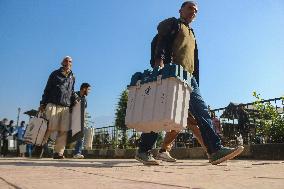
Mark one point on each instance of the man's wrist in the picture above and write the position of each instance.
(159, 62)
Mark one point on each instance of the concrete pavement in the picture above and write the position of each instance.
(22, 173)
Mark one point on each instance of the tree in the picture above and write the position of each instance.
(120, 117)
(271, 121)
(160, 139)
(88, 120)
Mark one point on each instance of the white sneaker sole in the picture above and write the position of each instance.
(146, 162)
(235, 153)
(165, 159)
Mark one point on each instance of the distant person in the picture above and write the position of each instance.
(239, 139)
(243, 120)
(84, 91)
(20, 137)
(56, 101)
(5, 132)
(11, 127)
(2, 123)
(176, 43)
(216, 124)
(29, 149)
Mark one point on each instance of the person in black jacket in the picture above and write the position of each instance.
(4, 133)
(175, 42)
(243, 122)
(56, 101)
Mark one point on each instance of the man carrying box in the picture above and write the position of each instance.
(56, 100)
(176, 43)
(84, 91)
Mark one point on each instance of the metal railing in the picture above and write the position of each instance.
(112, 137)
(231, 127)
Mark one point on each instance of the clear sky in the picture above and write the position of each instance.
(241, 47)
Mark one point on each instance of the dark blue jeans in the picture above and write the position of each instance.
(199, 109)
(147, 141)
(29, 149)
(79, 146)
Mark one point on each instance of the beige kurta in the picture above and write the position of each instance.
(58, 117)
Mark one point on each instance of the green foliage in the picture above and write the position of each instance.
(121, 111)
(120, 117)
(88, 120)
(133, 140)
(271, 122)
(160, 139)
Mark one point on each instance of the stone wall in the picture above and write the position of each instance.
(259, 151)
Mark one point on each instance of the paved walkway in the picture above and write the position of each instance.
(21, 173)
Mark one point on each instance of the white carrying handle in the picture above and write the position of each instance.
(138, 84)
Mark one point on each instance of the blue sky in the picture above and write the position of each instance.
(240, 44)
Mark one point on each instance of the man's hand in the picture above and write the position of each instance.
(159, 63)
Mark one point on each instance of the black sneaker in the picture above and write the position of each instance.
(37, 152)
(57, 156)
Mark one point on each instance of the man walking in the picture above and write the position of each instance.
(176, 43)
(84, 91)
(4, 133)
(20, 137)
(56, 100)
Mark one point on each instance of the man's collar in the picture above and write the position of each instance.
(79, 93)
(182, 20)
(65, 73)
(185, 23)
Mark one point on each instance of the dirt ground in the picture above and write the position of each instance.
(22, 173)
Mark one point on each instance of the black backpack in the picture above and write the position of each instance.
(172, 24)
(172, 28)
(153, 48)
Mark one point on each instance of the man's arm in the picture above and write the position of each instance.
(46, 92)
(159, 62)
(196, 61)
(196, 64)
(166, 31)
(74, 96)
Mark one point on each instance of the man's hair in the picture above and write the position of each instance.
(85, 85)
(188, 2)
(64, 59)
(4, 119)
